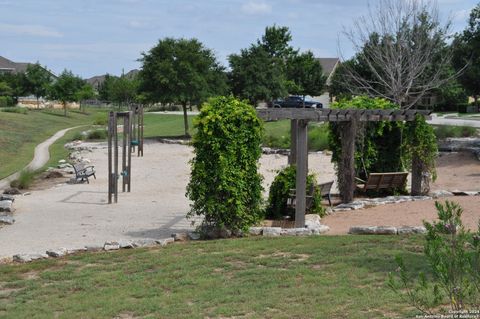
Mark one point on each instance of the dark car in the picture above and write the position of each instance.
(296, 102)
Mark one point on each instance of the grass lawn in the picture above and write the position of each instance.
(294, 277)
(20, 133)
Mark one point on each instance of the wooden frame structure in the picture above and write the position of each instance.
(137, 128)
(113, 174)
(348, 119)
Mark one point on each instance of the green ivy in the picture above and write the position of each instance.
(225, 186)
(279, 192)
(378, 144)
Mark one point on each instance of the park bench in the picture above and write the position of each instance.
(378, 181)
(82, 172)
(324, 188)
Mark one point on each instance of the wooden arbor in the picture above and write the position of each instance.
(348, 119)
(113, 174)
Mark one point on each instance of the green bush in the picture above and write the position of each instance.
(318, 137)
(280, 190)
(225, 186)
(25, 180)
(453, 254)
(78, 136)
(99, 134)
(445, 131)
(15, 109)
(100, 119)
(6, 101)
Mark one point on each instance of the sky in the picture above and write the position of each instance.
(93, 37)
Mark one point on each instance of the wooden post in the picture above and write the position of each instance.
(126, 128)
(133, 123)
(115, 158)
(292, 159)
(348, 131)
(129, 152)
(301, 175)
(140, 131)
(110, 158)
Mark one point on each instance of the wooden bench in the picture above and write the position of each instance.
(324, 188)
(83, 172)
(378, 181)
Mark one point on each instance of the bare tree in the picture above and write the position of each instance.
(401, 52)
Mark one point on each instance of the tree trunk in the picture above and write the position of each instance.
(185, 118)
(65, 109)
(38, 103)
(346, 166)
(416, 189)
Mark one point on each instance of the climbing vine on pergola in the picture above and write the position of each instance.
(348, 120)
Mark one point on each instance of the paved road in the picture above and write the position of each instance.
(40, 157)
(454, 122)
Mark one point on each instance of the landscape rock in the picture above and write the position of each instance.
(441, 193)
(465, 193)
(57, 252)
(5, 219)
(62, 161)
(272, 231)
(144, 243)
(372, 230)
(321, 230)
(193, 236)
(24, 258)
(255, 231)
(6, 206)
(12, 191)
(407, 230)
(180, 236)
(7, 197)
(296, 231)
(312, 220)
(385, 230)
(417, 198)
(125, 244)
(94, 247)
(111, 245)
(165, 241)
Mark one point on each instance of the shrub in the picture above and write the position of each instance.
(318, 137)
(445, 131)
(6, 101)
(15, 109)
(100, 119)
(454, 258)
(99, 134)
(25, 179)
(78, 136)
(280, 190)
(225, 187)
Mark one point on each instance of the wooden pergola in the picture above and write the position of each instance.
(348, 119)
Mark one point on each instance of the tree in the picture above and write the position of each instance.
(38, 79)
(181, 71)
(466, 51)
(123, 89)
(85, 92)
(305, 74)
(105, 88)
(66, 88)
(17, 82)
(259, 72)
(401, 52)
(5, 89)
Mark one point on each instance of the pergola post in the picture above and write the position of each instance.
(417, 173)
(301, 174)
(348, 131)
(292, 159)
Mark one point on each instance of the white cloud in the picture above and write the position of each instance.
(29, 30)
(256, 7)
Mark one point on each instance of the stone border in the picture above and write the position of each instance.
(312, 227)
(386, 230)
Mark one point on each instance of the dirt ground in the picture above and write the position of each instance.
(57, 215)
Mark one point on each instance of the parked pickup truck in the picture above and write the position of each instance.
(295, 101)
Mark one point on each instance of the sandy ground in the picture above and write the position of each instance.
(73, 216)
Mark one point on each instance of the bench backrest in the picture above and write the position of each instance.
(325, 188)
(386, 180)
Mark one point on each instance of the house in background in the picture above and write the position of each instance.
(329, 65)
(8, 66)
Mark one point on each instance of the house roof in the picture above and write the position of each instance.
(328, 65)
(15, 67)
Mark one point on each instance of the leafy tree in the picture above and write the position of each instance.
(401, 52)
(5, 89)
(85, 92)
(105, 89)
(181, 71)
(305, 74)
(466, 52)
(123, 89)
(17, 83)
(225, 186)
(38, 79)
(66, 88)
